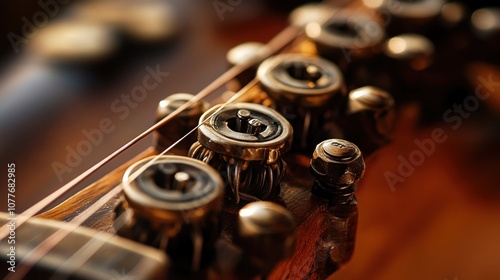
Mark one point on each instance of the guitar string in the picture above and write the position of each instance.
(274, 45)
(277, 43)
(83, 254)
(45, 246)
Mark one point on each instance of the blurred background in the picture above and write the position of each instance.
(78, 79)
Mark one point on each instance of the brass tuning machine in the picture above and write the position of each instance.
(181, 124)
(175, 203)
(308, 90)
(245, 142)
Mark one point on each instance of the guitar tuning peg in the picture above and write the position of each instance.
(412, 51)
(242, 54)
(181, 124)
(369, 119)
(245, 142)
(336, 165)
(346, 36)
(176, 203)
(307, 90)
(408, 16)
(266, 234)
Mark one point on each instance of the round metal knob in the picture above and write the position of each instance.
(182, 123)
(305, 81)
(245, 142)
(412, 49)
(266, 233)
(420, 9)
(220, 133)
(308, 90)
(402, 16)
(336, 166)
(346, 34)
(370, 118)
(245, 52)
(176, 202)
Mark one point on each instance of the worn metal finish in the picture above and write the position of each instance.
(309, 90)
(175, 202)
(245, 142)
(266, 234)
(179, 126)
(300, 79)
(369, 118)
(347, 34)
(413, 50)
(336, 165)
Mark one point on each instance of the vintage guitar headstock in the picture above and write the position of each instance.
(258, 183)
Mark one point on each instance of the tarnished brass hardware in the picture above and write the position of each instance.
(176, 202)
(413, 50)
(245, 142)
(308, 13)
(240, 55)
(181, 124)
(347, 35)
(404, 16)
(266, 234)
(336, 166)
(370, 118)
(307, 90)
(421, 9)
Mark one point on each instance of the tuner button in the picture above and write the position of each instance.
(266, 234)
(176, 204)
(246, 52)
(370, 118)
(346, 35)
(181, 124)
(404, 16)
(412, 50)
(245, 142)
(308, 90)
(336, 165)
(241, 54)
(305, 14)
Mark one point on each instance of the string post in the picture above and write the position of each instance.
(245, 142)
